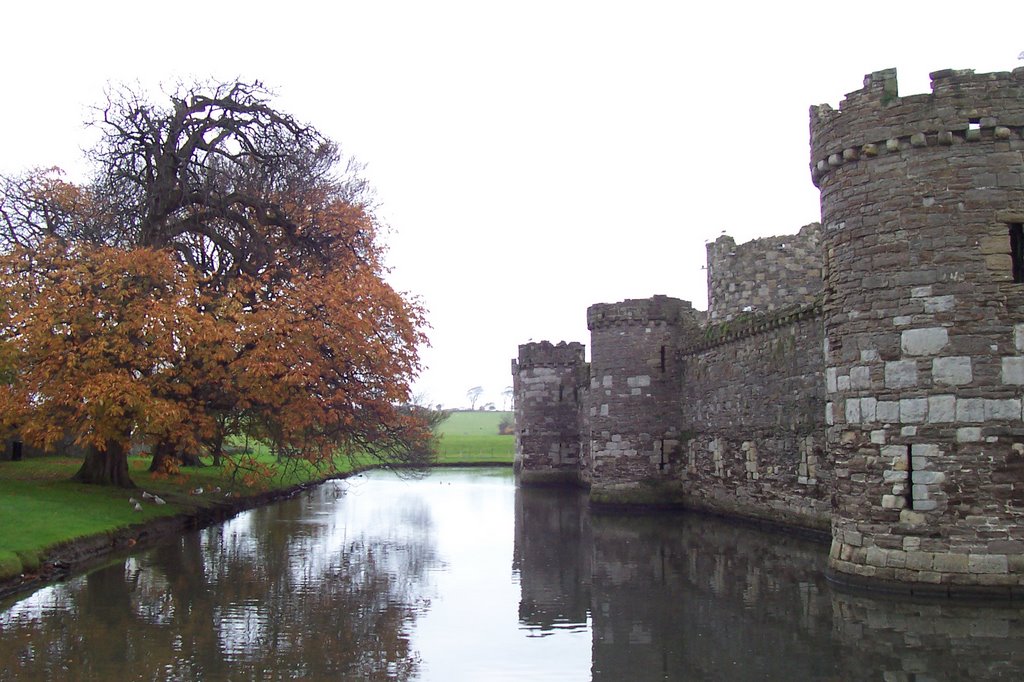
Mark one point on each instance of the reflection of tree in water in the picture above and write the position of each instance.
(281, 599)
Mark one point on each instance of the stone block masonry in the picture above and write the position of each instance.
(633, 405)
(864, 376)
(752, 410)
(763, 275)
(548, 381)
(922, 204)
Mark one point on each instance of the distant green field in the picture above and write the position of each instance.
(473, 437)
(465, 423)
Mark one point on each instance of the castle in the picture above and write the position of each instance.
(862, 378)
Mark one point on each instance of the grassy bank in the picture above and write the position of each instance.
(40, 507)
(472, 437)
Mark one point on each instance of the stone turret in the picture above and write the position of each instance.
(922, 203)
(548, 384)
(763, 275)
(633, 402)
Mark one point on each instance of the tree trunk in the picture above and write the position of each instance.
(188, 459)
(163, 458)
(106, 467)
(217, 447)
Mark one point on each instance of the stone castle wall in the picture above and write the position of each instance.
(885, 399)
(924, 322)
(752, 411)
(763, 275)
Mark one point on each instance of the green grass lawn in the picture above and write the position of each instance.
(472, 437)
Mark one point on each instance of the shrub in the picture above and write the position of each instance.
(10, 565)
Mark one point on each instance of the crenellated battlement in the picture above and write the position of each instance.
(641, 311)
(547, 354)
(963, 108)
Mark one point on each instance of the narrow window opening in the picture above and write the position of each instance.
(661, 450)
(561, 393)
(1017, 251)
(910, 479)
(663, 359)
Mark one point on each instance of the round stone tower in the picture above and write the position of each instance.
(922, 204)
(548, 382)
(634, 398)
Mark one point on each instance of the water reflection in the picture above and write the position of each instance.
(686, 597)
(460, 576)
(553, 558)
(307, 589)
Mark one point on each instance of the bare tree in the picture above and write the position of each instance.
(474, 395)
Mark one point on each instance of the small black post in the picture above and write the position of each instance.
(15, 450)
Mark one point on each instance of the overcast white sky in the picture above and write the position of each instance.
(531, 158)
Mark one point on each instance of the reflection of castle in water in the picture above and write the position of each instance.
(552, 557)
(682, 596)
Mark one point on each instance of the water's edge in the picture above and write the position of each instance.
(73, 557)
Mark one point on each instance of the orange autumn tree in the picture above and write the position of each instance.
(253, 285)
(94, 333)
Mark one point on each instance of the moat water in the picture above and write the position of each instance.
(462, 576)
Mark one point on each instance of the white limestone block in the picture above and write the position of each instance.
(953, 371)
(1013, 371)
(928, 478)
(900, 374)
(925, 450)
(860, 377)
(1008, 409)
(830, 379)
(913, 410)
(853, 411)
(867, 409)
(924, 341)
(970, 410)
(887, 411)
(895, 454)
(941, 409)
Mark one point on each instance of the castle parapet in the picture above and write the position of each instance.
(963, 107)
(641, 311)
(547, 354)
